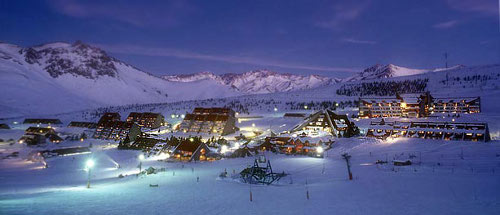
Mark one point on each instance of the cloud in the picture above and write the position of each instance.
(355, 41)
(157, 14)
(484, 7)
(343, 12)
(166, 52)
(445, 25)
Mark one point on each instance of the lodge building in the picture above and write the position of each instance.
(416, 106)
(430, 130)
(220, 121)
(329, 122)
(147, 119)
(110, 127)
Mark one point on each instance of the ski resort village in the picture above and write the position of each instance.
(97, 126)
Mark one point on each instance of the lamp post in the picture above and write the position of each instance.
(89, 165)
(141, 158)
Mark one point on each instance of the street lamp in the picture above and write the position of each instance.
(90, 163)
(141, 158)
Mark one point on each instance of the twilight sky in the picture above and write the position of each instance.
(332, 38)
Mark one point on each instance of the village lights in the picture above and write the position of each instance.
(88, 165)
(403, 105)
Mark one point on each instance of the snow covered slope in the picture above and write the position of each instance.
(62, 77)
(258, 81)
(390, 70)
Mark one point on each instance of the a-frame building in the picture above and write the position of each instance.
(327, 121)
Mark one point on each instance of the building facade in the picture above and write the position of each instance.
(416, 106)
(110, 127)
(221, 121)
(147, 119)
(430, 130)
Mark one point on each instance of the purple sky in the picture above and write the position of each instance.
(331, 38)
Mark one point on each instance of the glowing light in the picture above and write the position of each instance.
(90, 163)
(182, 116)
(253, 124)
(403, 105)
(305, 106)
(319, 149)
(237, 113)
(275, 109)
(191, 139)
(163, 156)
(173, 116)
(453, 120)
(141, 157)
(224, 149)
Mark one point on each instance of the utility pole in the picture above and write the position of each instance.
(347, 157)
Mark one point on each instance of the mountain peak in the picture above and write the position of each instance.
(78, 59)
(258, 81)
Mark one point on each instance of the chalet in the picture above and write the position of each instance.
(329, 122)
(40, 131)
(147, 119)
(117, 130)
(33, 139)
(188, 151)
(75, 124)
(430, 130)
(416, 106)
(53, 138)
(242, 152)
(220, 121)
(42, 121)
(4, 126)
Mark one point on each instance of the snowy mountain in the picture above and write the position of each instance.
(258, 81)
(63, 77)
(390, 70)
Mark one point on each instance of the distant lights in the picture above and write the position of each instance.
(305, 107)
(275, 109)
(141, 157)
(253, 124)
